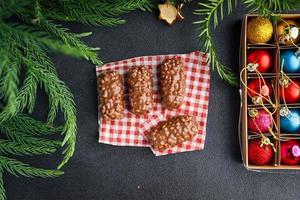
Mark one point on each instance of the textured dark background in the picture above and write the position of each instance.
(99, 171)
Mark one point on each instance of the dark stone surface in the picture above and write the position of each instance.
(99, 171)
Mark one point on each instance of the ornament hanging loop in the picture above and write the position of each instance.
(253, 112)
(180, 14)
(291, 33)
(284, 112)
(284, 81)
(257, 100)
(266, 141)
(251, 67)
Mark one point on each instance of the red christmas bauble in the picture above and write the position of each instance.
(262, 57)
(259, 155)
(261, 122)
(254, 89)
(291, 92)
(289, 151)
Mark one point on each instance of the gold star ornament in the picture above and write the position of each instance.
(170, 13)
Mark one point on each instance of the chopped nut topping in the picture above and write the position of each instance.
(140, 82)
(172, 83)
(170, 133)
(111, 95)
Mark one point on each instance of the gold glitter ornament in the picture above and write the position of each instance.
(288, 32)
(259, 30)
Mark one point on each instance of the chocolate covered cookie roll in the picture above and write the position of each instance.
(140, 83)
(111, 95)
(170, 133)
(172, 78)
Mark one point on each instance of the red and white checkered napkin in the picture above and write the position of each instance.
(132, 129)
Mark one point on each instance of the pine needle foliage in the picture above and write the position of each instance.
(213, 11)
(29, 30)
(2, 189)
(17, 168)
(267, 8)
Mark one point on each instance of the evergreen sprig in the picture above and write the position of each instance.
(30, 126)
(2, 189)
(26, 40)
(267, 8)
(16, 168)
(93, 12)
(212, 12)
(20, 149)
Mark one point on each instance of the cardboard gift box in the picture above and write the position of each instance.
(274, 47)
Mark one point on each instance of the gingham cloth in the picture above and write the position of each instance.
(132, 129)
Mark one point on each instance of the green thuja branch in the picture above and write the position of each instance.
(61, 33)
(16, 168)
(117, 8)
(72, 39)
(212, 12)
(24, 47)
(9, 8)
(30, 126)
(27, 93)
(94, 12)
(25, 130)
(20, 149)
(44, 40)
(23, 138)
(73, 14)
(9, 81)
(60, 97)
(37, 12)
(2, 189)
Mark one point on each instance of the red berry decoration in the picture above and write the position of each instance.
(291, 91)
(261, 57)
(290, 152)
(261, 121)
(254, 89)
(258, 153)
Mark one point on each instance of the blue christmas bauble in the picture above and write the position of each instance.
(291, 62)
(291, 122)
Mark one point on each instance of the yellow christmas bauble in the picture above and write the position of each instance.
(288, 32)
(259, 30)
